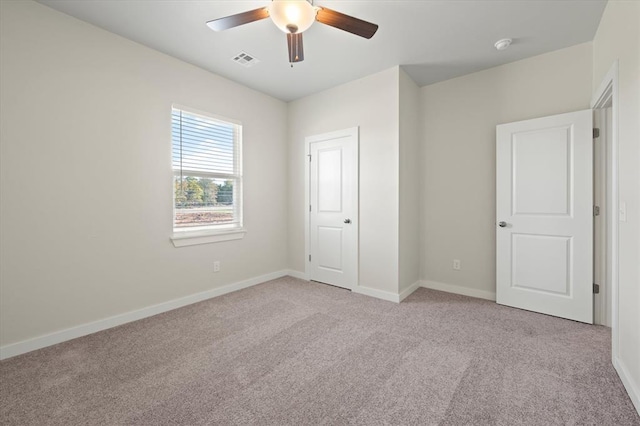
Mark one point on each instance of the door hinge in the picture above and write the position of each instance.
(309, 157)
(596, 133)
(596, 288)
(596, 210)
(309, 207)
(309, 258)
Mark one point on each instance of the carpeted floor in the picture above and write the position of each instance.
(289, 352)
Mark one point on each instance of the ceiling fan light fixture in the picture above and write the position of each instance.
(292, 16)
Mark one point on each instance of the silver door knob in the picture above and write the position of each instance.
(347, 221)
(502, 224)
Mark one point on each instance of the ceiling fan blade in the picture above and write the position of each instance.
(296, 52)
(346, 23)
(227, 22)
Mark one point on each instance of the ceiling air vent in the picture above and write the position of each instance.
(246, 60)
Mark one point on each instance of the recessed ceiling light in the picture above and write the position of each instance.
(503, 44)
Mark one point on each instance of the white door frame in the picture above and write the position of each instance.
(307, 182)
(607, 94)
(601, 179)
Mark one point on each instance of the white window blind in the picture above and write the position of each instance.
(207, 171)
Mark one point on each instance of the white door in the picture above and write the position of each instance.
(544, 214)
(333, 208)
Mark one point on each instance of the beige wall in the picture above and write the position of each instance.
(372, 104)
(618, 38)
(409, 244)
(459, 119)
(86, 175)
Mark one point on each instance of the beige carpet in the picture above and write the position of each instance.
(290, 352)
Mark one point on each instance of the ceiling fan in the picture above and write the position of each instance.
(294, 17)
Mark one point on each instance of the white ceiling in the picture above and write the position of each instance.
(432, 40)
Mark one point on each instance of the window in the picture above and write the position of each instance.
(207, 183)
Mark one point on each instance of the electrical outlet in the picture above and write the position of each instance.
(216, 266)
(457, 265)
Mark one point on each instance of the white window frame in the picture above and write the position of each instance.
(211, 233)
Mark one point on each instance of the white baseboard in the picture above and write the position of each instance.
(406, 292)
(457, 289)
(297, 274)
(56, 337)
(633, 389)
(378, 294)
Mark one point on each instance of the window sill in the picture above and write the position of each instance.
(183, 239)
